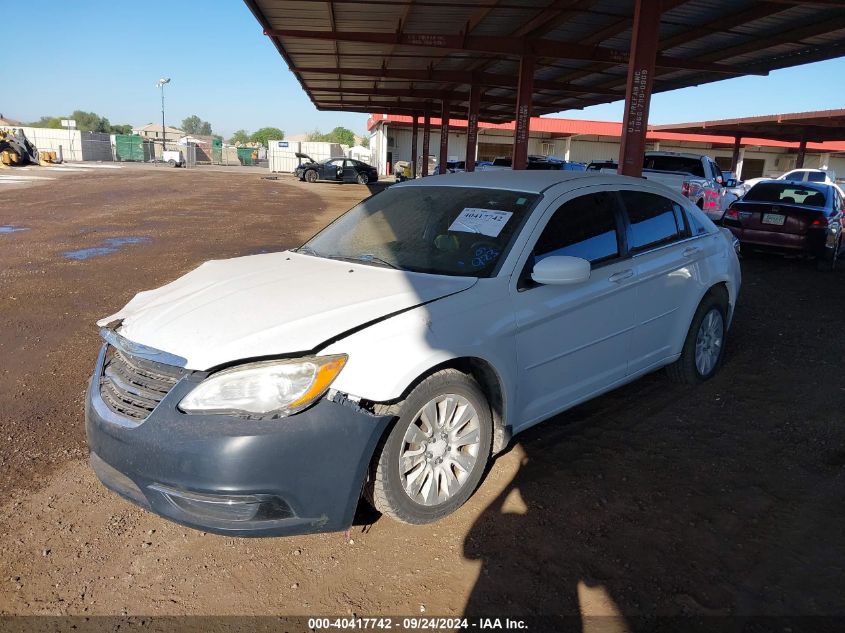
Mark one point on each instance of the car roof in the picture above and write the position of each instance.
(803, 184)
(528, 181)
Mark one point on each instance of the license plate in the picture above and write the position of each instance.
(774, 218)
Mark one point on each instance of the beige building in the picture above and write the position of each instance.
(152, 132)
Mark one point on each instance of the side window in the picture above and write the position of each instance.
(582, 227)
(654, 220)
(717, 172)
(815, 176)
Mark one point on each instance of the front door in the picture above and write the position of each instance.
(573, 340)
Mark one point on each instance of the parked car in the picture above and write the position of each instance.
(400, 348)
(336, 169)
(791, 217)
(696, 176)
(801, 175)
(536, 162)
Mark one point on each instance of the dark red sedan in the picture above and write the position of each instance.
(790, 217)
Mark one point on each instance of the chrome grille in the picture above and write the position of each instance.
(133, 387)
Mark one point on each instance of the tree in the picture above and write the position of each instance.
(341, 135)
(365, 141)
(47, 121)
(195, 125)
(85, 121)
(265, 134)
(121, 129)
(240, 137)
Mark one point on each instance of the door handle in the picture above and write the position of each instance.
(621, 276)
(692, 250)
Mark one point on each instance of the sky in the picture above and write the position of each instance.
(106, 57)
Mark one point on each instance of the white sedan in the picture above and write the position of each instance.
(402, 347)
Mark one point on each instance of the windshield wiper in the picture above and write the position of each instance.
(306, 250)
(365, 258)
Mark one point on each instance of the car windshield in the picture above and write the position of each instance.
(683, 164)
(464, 231)
(785, 194)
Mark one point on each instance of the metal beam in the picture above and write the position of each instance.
(523, 113)
(415, 128)
(457, 77)
(802, 151)
(735, 154)
(644, 42)
(515, 46)
(444, 137)
(472, 127)
(414, 93)
(426, 140)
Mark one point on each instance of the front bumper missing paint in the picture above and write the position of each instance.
(229, 475)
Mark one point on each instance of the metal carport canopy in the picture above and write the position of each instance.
(821, 126)
(404, 56)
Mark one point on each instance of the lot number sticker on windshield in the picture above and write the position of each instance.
(484, 221)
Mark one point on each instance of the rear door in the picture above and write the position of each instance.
(573, 340)
(665, 258)
(350, 171)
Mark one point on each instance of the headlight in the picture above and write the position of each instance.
(267, 389)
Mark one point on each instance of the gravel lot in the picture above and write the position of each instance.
(725, 499)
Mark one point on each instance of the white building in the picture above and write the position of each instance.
(586, 141)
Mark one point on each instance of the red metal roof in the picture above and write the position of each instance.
(577, 127)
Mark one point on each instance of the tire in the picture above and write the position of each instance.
(311, 176)
(711, 313)
(363, 179)
(388, 489)
(828, 264)
(171, 162)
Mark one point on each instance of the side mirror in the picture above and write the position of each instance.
(559, 270)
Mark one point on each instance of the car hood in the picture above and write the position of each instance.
(272, 304)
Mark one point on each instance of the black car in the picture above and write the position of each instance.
(336, 169)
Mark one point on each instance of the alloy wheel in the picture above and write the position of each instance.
(708, 342)
(439, 450)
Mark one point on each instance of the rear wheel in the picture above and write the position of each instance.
(435, 455)
(705, 343)
(827, 263)
(311, 176)
(171, 162)
(363, 178)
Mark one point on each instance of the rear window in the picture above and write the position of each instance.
(682, 164)
(785, 194)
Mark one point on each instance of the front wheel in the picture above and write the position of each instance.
(704, 345)
(311, 176)
(171, 162)
(435, 455)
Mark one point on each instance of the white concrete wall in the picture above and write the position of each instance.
(50, 139)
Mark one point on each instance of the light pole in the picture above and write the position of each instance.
(160, 84)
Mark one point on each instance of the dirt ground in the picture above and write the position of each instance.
(654, 500)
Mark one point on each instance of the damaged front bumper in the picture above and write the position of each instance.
(224, 474)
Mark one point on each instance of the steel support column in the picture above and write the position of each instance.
(523, 112)
(426, 141)
(414, 133)
(444, 138)
(802, 150)
(735, 155)
(641, 62)
(472, 126)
